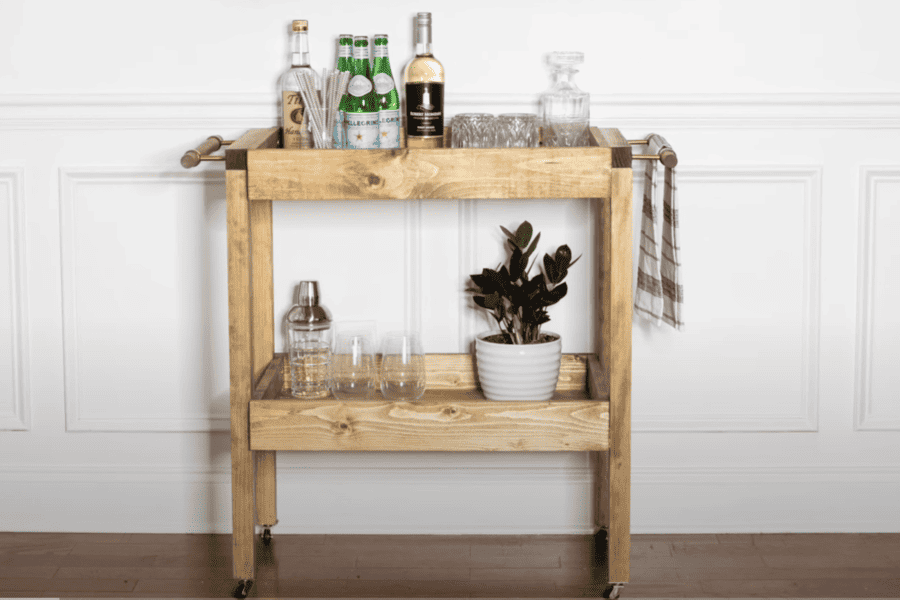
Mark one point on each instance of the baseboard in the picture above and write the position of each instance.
(457, 500)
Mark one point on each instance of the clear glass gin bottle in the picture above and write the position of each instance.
(565, 109)
(294, 121)
(309, 341)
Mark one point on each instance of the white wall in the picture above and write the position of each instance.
(778, 409)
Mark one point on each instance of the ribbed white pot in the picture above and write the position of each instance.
(518, 371)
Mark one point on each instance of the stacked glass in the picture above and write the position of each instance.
(484, 130)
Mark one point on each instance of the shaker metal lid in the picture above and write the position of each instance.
(308, 293)
(307, 311)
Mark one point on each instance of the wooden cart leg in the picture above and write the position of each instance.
(265, 490)
(619, 464)
(241, 348)
(614, 239)
(263, 331)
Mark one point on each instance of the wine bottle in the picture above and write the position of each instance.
(294, 120)
(423, 80)
(362, 111)
(386, 96)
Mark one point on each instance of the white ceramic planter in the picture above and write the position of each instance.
(518, 371)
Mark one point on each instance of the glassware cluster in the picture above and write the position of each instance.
(484, 130)
(340, 358)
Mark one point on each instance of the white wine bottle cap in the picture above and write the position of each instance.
(301, 25)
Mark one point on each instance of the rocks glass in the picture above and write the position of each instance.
(518, 130)
(473, 130)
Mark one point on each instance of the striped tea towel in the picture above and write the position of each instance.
(648, 301)
(659, 295)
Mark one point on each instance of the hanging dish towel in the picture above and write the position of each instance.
(659, 295)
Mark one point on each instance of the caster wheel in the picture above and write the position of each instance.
(613, 590)
(243, 588)
(266, 536)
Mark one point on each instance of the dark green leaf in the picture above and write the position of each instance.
(550, 269)
(533, 245)
(563, 256)
(517, 265)
(509, 233)
(556, 294)
(523, 234)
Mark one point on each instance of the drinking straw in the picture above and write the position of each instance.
(322, 111)
(311, 100)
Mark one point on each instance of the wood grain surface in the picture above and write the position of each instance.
(441, 173)
(446, 425)
(241, 373)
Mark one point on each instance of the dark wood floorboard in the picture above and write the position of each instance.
(444, 566)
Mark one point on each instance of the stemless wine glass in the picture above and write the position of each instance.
(353, 372)
(402, 366)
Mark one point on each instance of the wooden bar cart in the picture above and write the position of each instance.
(591, 410)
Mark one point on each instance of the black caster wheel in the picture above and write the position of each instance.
(613, 590)
(243, 588)
(266, 536)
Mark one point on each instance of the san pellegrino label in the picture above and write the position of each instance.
(384, 83)
(360, 85)
(386, 95)
(362, 130)
(389, 128)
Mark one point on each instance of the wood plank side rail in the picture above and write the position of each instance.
(594, 415)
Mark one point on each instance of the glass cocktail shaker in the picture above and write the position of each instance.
(309, 339)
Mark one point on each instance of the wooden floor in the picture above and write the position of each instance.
(721, 566)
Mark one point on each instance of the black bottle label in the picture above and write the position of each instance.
(425, 109)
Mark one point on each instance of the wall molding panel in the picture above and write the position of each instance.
(73, 182)
(804, 416)
(220, 111)
(867, 414)
(15, 400)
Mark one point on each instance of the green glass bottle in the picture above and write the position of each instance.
(362, 111)
(386, 95)
(344, 65)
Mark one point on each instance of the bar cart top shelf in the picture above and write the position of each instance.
(443, 173)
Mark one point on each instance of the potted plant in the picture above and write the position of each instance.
(520, 362)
